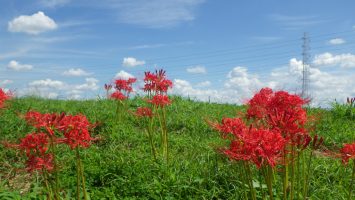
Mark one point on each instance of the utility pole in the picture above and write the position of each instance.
(306, 64)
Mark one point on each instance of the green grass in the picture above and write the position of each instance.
(120, 165)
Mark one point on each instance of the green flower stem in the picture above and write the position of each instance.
(260, 183)
(285, 178)
(164, 134)
(307, 176)
(55, 168)
(352, 181)
(77, 176)
(150, 137)
(81, 170)
(250, 181)
(299, 177)
(293, 152)
(268, 176)
(49, 190)
(166, 139)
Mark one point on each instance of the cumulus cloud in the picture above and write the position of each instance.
(336, 41)
(240, 85)
(16, 66)
(90, 84)
(197, 70)
(123, 75)
(242, 82)
(47, 83)
(184, 88)
(32, 24)
(327, 59)
(132, 62)
(76, 72)
(48, 88)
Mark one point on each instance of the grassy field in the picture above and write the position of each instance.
(120, 166)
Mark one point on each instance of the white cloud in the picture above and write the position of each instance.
(90, 84)
(32, 24)
(204, 84)
(123, 75)
(328, 59)
(76, 72)
(336, 41)
(197, 70)
(240, 85)
(47, 83)
(156, 13)
(184, 88)
(132, 62)
(48, 88)
(324, 86)
(14, 65)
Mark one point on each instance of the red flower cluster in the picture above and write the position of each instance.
(234, 126)
(160, 100)
(35, 143)
(3, 97)
(348, 152)
(276, 119)
(50, 128)
(118, 96)
(279, 111)
(126, 85)
(123, 88)
(260, 146)
(39, 163)
(156, 82)
(48, 121)
(76, 131)
(144, 112)
(35, 146)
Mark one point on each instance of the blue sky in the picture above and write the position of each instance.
(219, 50)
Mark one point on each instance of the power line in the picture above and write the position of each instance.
(306, 64)
(246, 47)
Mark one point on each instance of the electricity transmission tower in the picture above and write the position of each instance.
(306, 64)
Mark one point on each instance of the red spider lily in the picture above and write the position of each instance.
(348, 152)
(228, 126)
(156, 82)
(34, 144)
(118, 96)
(76, 131)
(160, 100)
(48, 121)
(126, 85)
(39, 163)
(3, 97)
(131, 81)
(144, 112)
(260, 146)
(259, 103)
(280, 111)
